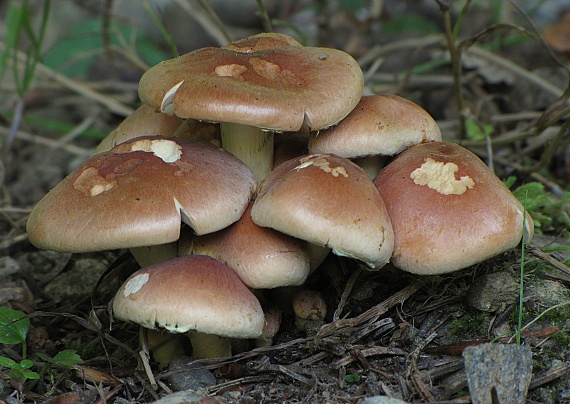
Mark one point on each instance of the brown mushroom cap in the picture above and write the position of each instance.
(265, 40)
(190, 293)
(279, 88)
(137, 193)
(144, 121)
(261, 257)
(329, 201)
(448, 210)
(378, 125)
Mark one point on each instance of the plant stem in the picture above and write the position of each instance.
(265, 20)
(163, 31)
(455, 56)
(521, 282)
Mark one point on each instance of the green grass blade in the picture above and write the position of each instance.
(13, 18)
(521, 283)
(165, 34)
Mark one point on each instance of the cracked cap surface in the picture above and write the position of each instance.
(279, 88)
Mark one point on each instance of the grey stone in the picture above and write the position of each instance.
(187, 377)
(383, 400)
(79, 281)
(503, 371)
(492, 292)
(549, 293)
(182, 397)
(8, 266)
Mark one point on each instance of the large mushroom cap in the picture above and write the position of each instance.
(190, 293)
(448, 210)
(138, 193)
(328, 201)
(378, 125)
(280, 88)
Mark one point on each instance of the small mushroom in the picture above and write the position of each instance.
(193, 294)
(310, 310)
(380, 125)
(263, 258)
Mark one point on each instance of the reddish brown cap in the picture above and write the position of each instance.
(265, 40)
(380, 124)
(263, 258)
(448, 210)
(280, 88)
(329, 201)
(138, 193)
(190, 293)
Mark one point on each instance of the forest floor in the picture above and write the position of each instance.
(386, 333)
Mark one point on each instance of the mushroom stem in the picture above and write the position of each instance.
(251, 145)
(370, 164)
(317, 255)
(209, 345)
(164, 345)
(153, 254)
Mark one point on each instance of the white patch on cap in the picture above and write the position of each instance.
(135, 284)
(232, 70)
(320, 161)
(100, 188)
(91, 183)
(441, 177)
(167, 150)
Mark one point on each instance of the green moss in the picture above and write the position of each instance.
(551, 214)
(469, 324)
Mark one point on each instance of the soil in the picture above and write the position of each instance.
(386, 333)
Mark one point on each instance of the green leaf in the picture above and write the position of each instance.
(26, 364)
(19, 370)
(28, 374)
(7, 362)
(352, 378)
(75, 55)
(67, 357)
(510, 181)
(477, 131)
(13, 330)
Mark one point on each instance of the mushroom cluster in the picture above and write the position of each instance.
(190, 184)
